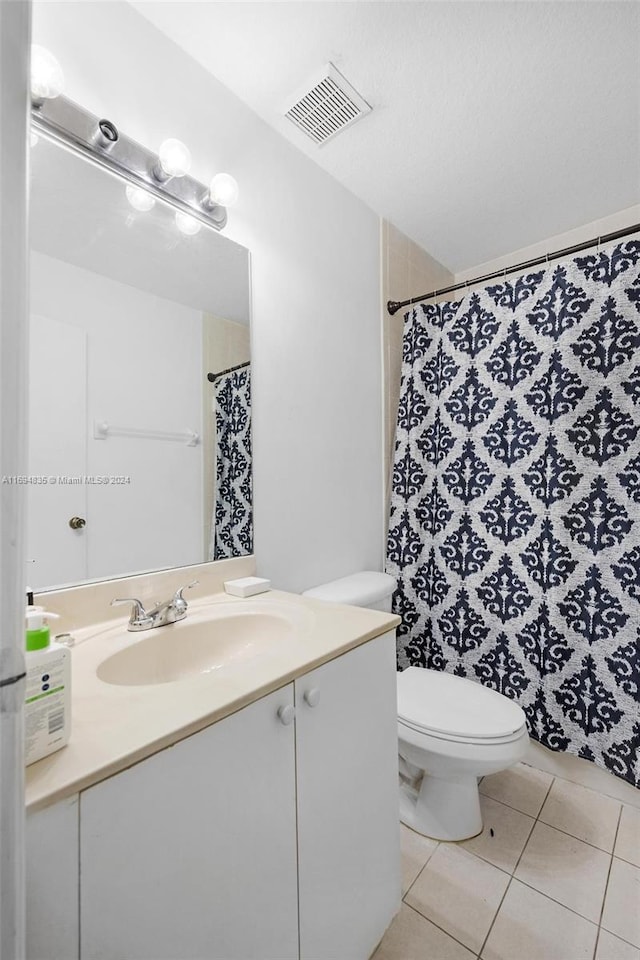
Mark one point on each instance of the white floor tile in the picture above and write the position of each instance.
(613, 948)
(565, 869)
(583, 813)
(460, 893)
(412, 937)
(504, 835)
(415, 850)
(529, 926)
(621, 914)
(523, 788)
(628, 839)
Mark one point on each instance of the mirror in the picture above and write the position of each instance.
(137, 459)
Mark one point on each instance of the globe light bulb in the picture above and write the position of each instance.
(187, 224)
(47, 78)
(223, 190)
(140, 199)
(174, 160)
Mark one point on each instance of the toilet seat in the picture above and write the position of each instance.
(452, 738)
(453, 708)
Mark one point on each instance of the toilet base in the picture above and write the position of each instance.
(444, 809)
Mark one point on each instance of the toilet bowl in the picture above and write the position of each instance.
(451, 731)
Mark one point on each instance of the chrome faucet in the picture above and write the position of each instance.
(158, 616)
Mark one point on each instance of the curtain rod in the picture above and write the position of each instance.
(211, 377)
(393, 305)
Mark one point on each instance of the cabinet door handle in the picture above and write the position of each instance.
(286, 714)
(312, 697)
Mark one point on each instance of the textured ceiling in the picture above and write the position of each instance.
(495, 124)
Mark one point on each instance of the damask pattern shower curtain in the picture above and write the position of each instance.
(232, 526)
(515, 518)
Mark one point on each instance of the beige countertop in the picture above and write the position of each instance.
(115, 726)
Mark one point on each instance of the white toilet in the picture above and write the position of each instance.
(451, 731)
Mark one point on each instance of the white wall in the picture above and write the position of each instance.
(143, 371)
(315, 275)
(616, 220)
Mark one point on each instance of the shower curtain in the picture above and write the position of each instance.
(515, 516)
(232, 522)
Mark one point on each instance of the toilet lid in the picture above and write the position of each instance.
(453, 706)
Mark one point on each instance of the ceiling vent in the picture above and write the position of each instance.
(326, 105)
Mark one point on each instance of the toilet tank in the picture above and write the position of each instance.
(365, 589)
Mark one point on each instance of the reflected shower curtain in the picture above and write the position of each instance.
(515, 517)
(232, 524)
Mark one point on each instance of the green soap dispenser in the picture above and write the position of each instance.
(38, 632)
(48, 689)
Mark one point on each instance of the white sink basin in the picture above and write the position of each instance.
(205, 643)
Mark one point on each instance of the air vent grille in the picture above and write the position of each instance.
(328, 105)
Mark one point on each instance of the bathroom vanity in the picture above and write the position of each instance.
(246, 812)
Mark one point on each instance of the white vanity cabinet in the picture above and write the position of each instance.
(52, 860)
(271, 835)
(191, 853)
(347, 792)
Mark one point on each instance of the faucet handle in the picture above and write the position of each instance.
(179, 603)
(137, 610)
(178, 594)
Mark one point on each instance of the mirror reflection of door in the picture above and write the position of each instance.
(57, 452)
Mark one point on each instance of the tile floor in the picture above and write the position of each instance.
(554, 875)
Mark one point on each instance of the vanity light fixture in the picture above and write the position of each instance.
(140, 199)
(187, 224)
(105, 135)
(174, 160)
(149, 176)
(47, 78)
(223, 192)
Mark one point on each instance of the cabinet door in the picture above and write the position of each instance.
(192, 853)
(347, 792)
(52, 882)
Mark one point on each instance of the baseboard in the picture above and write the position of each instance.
(581, 771)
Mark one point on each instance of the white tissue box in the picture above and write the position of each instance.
(247, 586)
